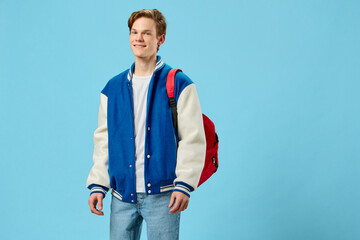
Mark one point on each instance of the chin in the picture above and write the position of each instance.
(139, 55)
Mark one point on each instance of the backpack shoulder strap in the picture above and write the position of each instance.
(170, 85)
(170, 82)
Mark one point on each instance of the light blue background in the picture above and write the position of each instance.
(280, 79)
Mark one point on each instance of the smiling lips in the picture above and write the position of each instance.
(139, 45)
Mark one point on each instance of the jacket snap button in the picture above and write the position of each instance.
(148, 156)
(130, 165)
(149, 191)
(148, 128)
(149, 185)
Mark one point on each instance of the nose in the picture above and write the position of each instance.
(139, 37)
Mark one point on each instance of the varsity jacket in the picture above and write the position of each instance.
(173, 161)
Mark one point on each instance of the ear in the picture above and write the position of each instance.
(161, 39)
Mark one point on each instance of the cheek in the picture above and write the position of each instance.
(155, 42)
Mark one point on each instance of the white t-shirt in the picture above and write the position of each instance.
(140, 86)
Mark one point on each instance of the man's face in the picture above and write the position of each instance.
(143, 39)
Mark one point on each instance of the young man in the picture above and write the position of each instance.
(150, 167)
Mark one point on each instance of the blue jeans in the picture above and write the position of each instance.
(126, 218)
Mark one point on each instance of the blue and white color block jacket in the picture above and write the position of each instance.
(168, 166)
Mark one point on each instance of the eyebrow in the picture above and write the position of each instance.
(143, 30)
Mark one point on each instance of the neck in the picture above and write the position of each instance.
(144, 66)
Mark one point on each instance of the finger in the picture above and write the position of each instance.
(100, 203)
(176, 206)
(92, 203)
(97, 212)
(171, 203)
(183, 206)
(186, 205)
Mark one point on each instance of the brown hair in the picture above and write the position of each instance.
(153, 14)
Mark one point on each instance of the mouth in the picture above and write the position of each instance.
(139, 45)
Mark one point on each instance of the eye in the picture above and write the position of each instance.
(147, 33)
(133, 32)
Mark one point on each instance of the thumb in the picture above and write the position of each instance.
(100, 203)
(171, 203)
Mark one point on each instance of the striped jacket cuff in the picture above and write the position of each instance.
(183, 187)
(98, 189)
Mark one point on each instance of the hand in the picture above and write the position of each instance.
(96, 198)
(181, 201)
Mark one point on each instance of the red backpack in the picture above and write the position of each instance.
(212, 141)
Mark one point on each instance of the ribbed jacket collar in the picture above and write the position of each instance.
(159, 64)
